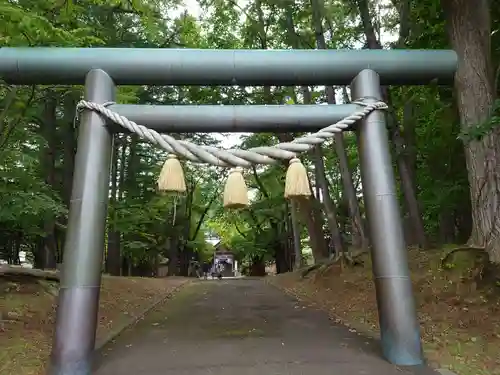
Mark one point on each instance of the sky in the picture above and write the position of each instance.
(192, 7)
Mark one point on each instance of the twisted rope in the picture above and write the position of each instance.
(233, 157)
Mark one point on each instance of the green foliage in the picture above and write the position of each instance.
(34, 167)
(476, 133)
(36, 155)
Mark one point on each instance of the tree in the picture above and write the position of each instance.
(469, 30)
(38, 134)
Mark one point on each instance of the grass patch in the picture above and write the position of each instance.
(28, 314)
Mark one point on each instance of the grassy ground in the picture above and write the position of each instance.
(460, 321)
(28, 309)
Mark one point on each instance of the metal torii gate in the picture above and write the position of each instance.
(100, 69)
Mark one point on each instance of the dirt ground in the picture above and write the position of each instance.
(28, 311)
(460, 320)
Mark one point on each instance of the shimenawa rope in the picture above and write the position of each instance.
(235, 193)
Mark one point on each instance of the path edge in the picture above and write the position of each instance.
(334, 317)
(100, 344)
(444, 371)
(338, 320)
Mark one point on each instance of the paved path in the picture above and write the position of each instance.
(241, 327)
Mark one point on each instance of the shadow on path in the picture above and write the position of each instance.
(241, 327)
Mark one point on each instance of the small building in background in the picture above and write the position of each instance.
(225, 256)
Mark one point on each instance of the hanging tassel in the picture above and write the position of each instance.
(235, 191)
(297, 183)
(172, 176)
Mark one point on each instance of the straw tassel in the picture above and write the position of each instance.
(172, 176)
(297, 183)
(235, 191)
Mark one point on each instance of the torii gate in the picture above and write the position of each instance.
(100, 69)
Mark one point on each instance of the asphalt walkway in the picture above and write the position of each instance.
(241, 327)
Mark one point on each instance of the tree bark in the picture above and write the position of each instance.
(49, 133)
(469, 29)
(408, 185)
(323, 186)
(113, 258)
(297, 247)
(257, 267)
(51, 275)
(68, 158)
(128, 188)
(410, 141)
(395, 132)
(280, 255)
(308, 210)
(345, 170)
(69, 136)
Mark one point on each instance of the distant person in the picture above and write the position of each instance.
(213, 271)
(219, 268)
(197, 269)
(196, 266)
(205, 269)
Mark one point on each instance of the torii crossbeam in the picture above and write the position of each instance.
(101, 69)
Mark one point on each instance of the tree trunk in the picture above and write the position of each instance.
(446, 226)
(463, 220)
(121, 141)
(469, 29)
(309, 211)
(408, 184)
(297, 247)
(395, 132)
(280, 253)
(345, 170)
(173, 256)
(69, 144)
(113, 258)
(280, 258)
(257, 267)
(410, 141)
(69, 151)
(128, 187)
(331, 211)
(322, 184)
(48, 128)
(286, 230)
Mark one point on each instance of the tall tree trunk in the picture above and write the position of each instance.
(69, 146)
(113, 258)
(69, 151)
(322, 183)
(173, 259)
(127, 185)
(122, 150)
(294, 228)
(132, 164)
(48, 128)
(279, 250)
(446, 226)
(257, 267)
(310, 211)
(345, 170)
(395, 132)
(329, 205)
(408, 184)
(469, 29)
(409, 136)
